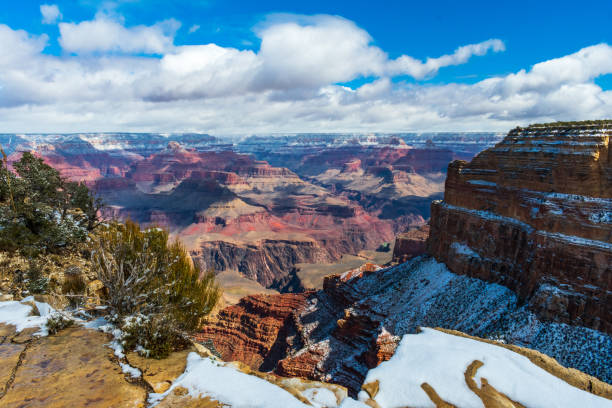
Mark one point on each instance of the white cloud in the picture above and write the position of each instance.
(409, 66)
(50, 13)
(200, 71)
(194, 28)
(105, 34)
(289, 84)
(324, 50)
(17, 46)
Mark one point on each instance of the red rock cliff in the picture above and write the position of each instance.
(256, 330)
(534, 213)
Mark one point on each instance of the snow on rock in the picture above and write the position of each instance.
(103, 325)
(128, 369)
(320, 397)
(441, 360)
(464, 250)
(204, 377)
(20, 314)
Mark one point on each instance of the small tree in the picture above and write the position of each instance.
(39, 210)
(153, 286)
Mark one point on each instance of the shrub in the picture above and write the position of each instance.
(36, 281)
(74, 286)
(150, 336)
(148, 277)
(40, 211)
(57, 322)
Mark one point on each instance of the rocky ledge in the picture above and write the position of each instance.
(534, 213)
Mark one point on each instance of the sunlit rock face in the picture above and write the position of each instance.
(534, 213)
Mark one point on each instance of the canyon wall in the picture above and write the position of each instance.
(534, 213)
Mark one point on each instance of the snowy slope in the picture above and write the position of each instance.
(440, 360)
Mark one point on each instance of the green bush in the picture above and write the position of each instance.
(57, 322)
(40, 211)
(36, 280)
(150, 336)
(148, 277)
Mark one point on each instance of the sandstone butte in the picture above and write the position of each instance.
(533, 213)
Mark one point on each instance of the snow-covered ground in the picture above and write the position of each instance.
(431, 357)
(22, 315)
(205, 377)
(440, 360)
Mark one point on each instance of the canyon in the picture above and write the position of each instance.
(512, 270)
(519, 252)
(265, 207)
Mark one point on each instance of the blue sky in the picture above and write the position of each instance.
(274, 92)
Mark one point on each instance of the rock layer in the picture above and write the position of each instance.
(410, 244)
(257, 331)
(534, 213)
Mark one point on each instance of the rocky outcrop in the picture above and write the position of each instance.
(266, 261)
(534, 213)
(410, 244)
(257, 331)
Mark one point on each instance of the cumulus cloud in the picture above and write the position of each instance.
(194, 28)
(321, 50)
(200, 71)
(50, 13)
(17, 46)
(291, 83)
(105, 34)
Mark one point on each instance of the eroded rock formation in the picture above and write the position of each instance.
(338, 333)
(257, 331)
(534, 214)
(522, 238)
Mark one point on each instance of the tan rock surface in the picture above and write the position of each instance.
(179, 398)
(73, 369)
(160, 374)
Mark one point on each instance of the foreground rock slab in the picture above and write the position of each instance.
(73, 369)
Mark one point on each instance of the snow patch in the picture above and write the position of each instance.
(482, 183)
(128, 369)
(441, 359)
(204, 377)
(320, 397)
(19, 314)
(464, 250)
